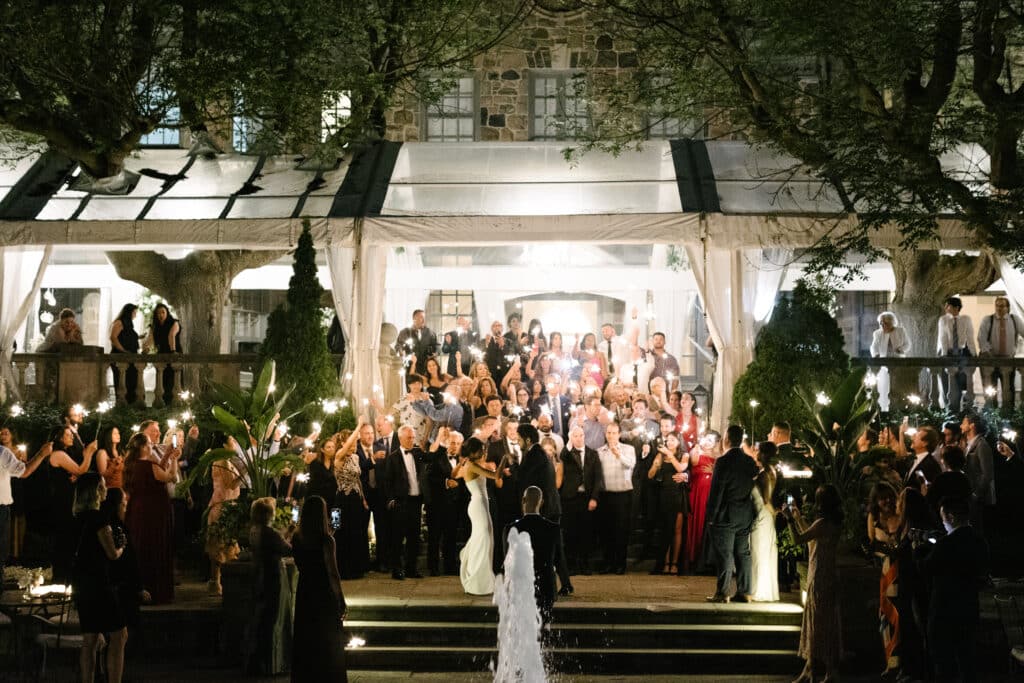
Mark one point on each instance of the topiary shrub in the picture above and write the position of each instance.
(802, 346)
(296, 339)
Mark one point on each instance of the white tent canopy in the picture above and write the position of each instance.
(725, 201)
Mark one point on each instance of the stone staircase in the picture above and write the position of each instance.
(688, 638)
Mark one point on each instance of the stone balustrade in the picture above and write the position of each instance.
(921, 375)
(83, 375)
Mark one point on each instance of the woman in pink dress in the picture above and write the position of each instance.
(592, 362)
(702, 465)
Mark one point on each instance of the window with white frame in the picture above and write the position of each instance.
(444, 306)
(453, 117)
(663, 124)
(336, 113)
(558, 105)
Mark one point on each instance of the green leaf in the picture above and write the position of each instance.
(260, 391)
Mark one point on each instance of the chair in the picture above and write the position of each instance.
(51, 634)
(1011, 616)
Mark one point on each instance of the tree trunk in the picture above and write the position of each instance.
(197, 286)
(924, 280)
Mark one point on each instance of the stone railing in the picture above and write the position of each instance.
(84, 375)
(921, 376)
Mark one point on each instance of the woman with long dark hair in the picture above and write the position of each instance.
(165, 335)
(318, 643)
(820, 634)
(67, 464)
(99, 610)
(124, 339)
(109, 459)
(669, 465)
(149, 520)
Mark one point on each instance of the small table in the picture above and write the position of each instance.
(16, 606)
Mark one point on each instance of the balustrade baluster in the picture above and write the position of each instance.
(158, 386)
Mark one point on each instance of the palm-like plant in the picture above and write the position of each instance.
(831, 435)
(250, 417)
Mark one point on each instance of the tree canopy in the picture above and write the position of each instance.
(889, 101)
(90, 78)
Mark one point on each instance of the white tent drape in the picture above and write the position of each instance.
(733, 284)
(339, 263)
(21, 274)
(361, 372)
(400, 302)
(490, 306)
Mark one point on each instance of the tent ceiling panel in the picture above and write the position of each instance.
(12, 167)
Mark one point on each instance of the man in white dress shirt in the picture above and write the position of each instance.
(997, 338)
(617, 463)
(888, 341)
(11, 466)
(956, 340)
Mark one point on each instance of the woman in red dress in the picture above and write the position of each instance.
(149, 520)
(686, 421)
(702, 465)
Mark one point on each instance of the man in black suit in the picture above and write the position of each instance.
(538, 470)
(418, 341)
(404, 483)
(504, 501)
(925, 469)
(957, 567)
(385, 444)
(581, 486)
(543, 539)
(498, 352)
(459, 341)
(730, 514)
(980, 470)
(442, 502)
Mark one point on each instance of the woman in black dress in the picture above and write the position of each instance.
(124, 571)
(124, 339)
(321, 471)
(670, 467)
(319, 645)
(353, 544)
(99, 611)
(165, 335)
(67, 462)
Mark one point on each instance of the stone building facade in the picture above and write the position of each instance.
(521, 88)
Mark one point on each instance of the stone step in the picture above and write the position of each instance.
(693, 661)
(567, 612)
(573, 635)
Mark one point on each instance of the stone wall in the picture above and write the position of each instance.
(547, 41)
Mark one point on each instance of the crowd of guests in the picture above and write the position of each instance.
(104, 516)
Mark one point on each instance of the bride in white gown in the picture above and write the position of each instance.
(475, 571)
(764, 551)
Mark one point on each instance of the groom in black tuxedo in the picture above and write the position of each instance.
(543, 539)
(537, 470)
(730, 514)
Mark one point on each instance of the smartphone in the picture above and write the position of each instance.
(174, 440)
(335, 518)
(295, 514)
(789, 500)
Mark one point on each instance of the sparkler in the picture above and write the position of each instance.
(1009, 435)
(990, 391)
(914, 400)
(316, 428)
(101, 408)
(16, 410)
(822, 399)
(302, 478)
(330, 407)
